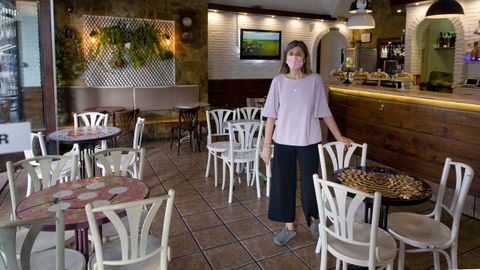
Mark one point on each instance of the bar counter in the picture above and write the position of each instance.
(410, 130)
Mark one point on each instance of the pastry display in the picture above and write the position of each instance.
(338, 73)
(402, 77)
(360, 75)
(378, 75)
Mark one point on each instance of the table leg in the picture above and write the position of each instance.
(382, 223)
(81, 241)
(81, 157)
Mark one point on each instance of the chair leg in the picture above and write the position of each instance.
(401, 255)
(390, 266)
(257, 178)
(453, 256)
(215, 167)
(207, 171)
(323, 259)
(230, 189)
(224, 167)
(319, 245)
(171, 138)
(178, 142)
(268, 173)
(436, 260)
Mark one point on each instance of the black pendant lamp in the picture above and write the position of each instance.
(444, 9)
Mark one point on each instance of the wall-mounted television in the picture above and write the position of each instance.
(260, 44)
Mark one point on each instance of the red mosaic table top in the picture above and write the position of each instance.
(72, 197)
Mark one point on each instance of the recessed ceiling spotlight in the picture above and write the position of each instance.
(399, 11)
(244, 13)
(273, 16)
(322, 20)
(298, 18)
(418, 3)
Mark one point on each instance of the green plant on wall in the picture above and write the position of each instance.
(69, 60)
(134, 46)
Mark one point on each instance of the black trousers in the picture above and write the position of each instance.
(284, 182)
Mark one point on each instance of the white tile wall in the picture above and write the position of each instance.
(416, 24)
(223, 42)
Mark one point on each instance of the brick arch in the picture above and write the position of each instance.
(413, 44)
(345, 32)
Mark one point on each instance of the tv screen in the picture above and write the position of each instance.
(260, 44)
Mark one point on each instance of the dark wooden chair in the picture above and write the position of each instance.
(187, 122)
(124, 121)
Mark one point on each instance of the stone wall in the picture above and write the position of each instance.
(191, 58)
(388, 24)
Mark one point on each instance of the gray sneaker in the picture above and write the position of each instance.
(284, 236)
(314, 229)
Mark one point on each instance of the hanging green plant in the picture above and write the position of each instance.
(145, 44)
(113, 38)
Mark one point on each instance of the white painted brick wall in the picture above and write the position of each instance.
(464, 27)
(223, 42)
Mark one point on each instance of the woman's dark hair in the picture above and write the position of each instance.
(284, 69)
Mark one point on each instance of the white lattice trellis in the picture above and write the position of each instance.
(98, 72)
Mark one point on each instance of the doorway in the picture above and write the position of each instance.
(329, 54)
(438, 52)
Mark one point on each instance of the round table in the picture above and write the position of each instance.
(396, 187)
(85, 137)
(72, 197)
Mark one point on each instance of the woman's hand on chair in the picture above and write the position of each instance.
(266, 154)
(347, 141)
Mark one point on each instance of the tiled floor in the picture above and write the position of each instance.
(209, 233)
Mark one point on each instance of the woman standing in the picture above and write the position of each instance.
(296, 101)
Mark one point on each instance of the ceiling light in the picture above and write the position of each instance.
(360, 6)
(361, 21)
(444, 9)
(399, 11)
(418, 3)
(273, 16)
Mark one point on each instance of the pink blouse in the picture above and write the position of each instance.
(297, 105)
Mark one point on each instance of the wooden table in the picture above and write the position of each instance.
(397, 188)
(85, 137)
(72, 197)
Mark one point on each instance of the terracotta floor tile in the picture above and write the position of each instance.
(181, 245)
(302, 239)
(233, 213)
(192, 207)
(211, 191)
(194, 261)
(187, 194)
(259, 207)
(247, 195)
(228, 256)
(284, 261)
(252, 266)
(221, 201)
(247, 228)
(202, 221)
(213, 237)
(271, 225)
(312, 259)
(261, 247)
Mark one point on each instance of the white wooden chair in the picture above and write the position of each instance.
(245, 132)
(350, 242)
(138, 249)
(58, 258)
(426, 233)
(268, 171)
(215, 132)
(340, 158)
(29, 153)
(138, 133)
(90, 119)
(117, 161)
(50, 168)
(249, 113)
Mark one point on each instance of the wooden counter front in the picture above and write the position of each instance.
(413, 131)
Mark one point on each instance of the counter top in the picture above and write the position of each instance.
(444, 100)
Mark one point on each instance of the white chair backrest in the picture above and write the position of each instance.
(332, 203)
(8, 234)
(339, 157)
(50, 170)
(133, 246)
(463, 178)
(41, 141)
(245, 132)
(219, 116)
(249, 113)
(90, 119)
(138, 134)
(118, 161)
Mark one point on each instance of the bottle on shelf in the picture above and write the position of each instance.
(474, 53)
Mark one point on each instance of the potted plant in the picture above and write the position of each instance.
(114, 38)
